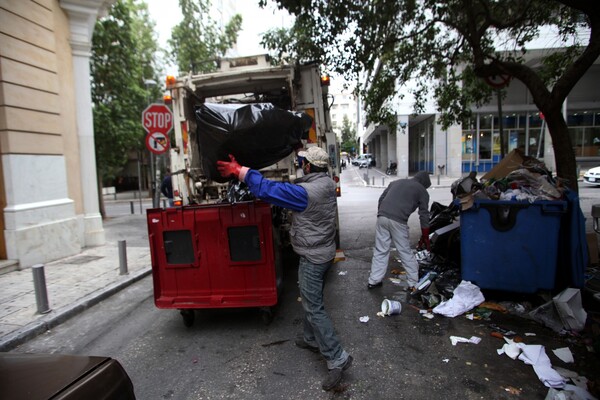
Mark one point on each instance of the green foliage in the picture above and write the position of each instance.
(426, 43)
(197, 42)
(349, 143)
(446, 49)
(123, 48)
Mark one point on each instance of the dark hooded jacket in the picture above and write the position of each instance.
(402, 197)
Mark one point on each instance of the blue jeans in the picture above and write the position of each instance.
(318, 328)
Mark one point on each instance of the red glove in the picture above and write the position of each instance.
(424, 242)
(229, 169)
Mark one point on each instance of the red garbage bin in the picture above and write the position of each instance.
(214, 256)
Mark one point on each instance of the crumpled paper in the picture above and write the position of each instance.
(466, 296)
(534, 355)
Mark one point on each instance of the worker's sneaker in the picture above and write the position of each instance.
(303, 345)
(374, 285)
(334, 376)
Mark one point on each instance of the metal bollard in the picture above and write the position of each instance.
(123, 257)
(382, 181)
(373, 180)
(131, 206)
(164, 203)
(41, 294)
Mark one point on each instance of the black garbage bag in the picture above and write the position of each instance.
(257, 135)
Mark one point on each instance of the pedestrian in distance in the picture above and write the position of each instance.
(166, 188)
(397, 202)
(312, 200)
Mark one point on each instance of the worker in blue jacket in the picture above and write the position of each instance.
(312, 198)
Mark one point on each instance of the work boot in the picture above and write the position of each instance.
(374, 285)
(303, 345)
(334, 376)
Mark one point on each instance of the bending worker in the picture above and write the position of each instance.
(397, 202)
(313, 202)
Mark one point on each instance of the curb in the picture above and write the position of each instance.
(57, 317)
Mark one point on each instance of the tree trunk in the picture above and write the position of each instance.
(566, 166)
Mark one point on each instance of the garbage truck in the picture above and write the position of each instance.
(218, 247)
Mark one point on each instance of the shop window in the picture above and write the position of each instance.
(535, 120)
(485, 145)
(485, 121)
(580, 119)
(469, 141)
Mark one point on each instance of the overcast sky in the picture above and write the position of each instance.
(166, 14)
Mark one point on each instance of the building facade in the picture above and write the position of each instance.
(419, 143)
(48, 187)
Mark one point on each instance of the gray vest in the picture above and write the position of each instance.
(313, 230)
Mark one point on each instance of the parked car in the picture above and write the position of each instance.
(592, 176)
(364, 160)
(58, 376)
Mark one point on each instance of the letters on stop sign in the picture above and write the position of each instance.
(157, 118)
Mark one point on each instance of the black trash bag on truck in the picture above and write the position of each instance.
(257, 135)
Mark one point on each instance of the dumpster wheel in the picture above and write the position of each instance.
(188, 317)
(267, 314)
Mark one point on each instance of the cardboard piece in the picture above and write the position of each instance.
(570, 310)
(512, 161)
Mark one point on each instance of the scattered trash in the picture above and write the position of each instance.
(390, 307)
(446, 360)
(397, 281)
(493, 306)
(504, 332)
(427, 315)
(570, 310)
(458, 339)
(547, 315)
(364, 319)
(480, 313)
(530, 334)
(513, 390)
(342, 272)
(397, 271)
(380, 314)
(534, 355)
(466, 296)
(564, 353)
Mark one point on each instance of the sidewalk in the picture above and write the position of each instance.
(78, 282)
(73, 284)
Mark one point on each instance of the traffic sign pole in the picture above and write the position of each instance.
(157, 120)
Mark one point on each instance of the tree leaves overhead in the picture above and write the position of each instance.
(197, 41)
(444, 49)
(123, 57)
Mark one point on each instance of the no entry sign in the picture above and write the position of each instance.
(157, 142)
(157, 118)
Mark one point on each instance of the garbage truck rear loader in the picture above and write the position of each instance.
(219, 247)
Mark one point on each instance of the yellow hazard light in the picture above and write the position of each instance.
(325, 80)
(170, 80)
(177, 203)
(167, 99)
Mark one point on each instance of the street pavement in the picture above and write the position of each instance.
(78, 282)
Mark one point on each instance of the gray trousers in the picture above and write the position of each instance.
(386, 232)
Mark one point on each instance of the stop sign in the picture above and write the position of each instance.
(157, 118)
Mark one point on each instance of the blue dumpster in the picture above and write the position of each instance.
(511, 245)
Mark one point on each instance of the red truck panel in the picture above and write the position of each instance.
(213, 256)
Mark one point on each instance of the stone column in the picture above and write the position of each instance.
(82, 19)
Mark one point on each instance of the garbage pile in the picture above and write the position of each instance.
(517, 177)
